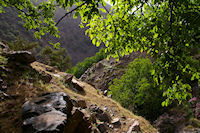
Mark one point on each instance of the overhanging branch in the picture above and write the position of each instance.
(69, 13)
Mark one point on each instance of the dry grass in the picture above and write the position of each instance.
(92, 96)
(10, 109)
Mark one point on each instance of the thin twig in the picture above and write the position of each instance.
(105, 8)
(17, 8)
(69, 13)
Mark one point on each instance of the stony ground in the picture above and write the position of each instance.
(93, 98)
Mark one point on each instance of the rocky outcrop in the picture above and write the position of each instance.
(135, 127)
(68, 79)
(51, 122)
(78, 123)
(177, 120)
(100, 114)
(46, 113)
(103, 73)
(116, 123)
(56, 112)
(22, 57)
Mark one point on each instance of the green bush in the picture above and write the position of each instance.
(81, 67)
(20, 44)
(136, 91)
(55, 57)
(3, 61)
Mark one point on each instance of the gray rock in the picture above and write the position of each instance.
(52, 121)
(95, 108)
(105, 92)
(22, 57)
(46, 113)
(110, 96)
(116, 123)
(135, 127)
(77, 123)
(104, 117)
(102, 127)
(68, 78)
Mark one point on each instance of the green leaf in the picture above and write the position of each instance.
(103, 10)
(75, 15)
(187, 45)
(94, 41)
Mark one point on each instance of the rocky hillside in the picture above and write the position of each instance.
(39, 98)
(103, 73)
(183, 118)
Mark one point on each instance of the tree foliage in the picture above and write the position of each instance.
(81, 67)
(168, 30)
(136, 91)
(50, 56)
(55, 57)
(20, 44)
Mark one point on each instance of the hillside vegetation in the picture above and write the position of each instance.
(25, 83)
(73, 39)
(136, 91)
(81, 67)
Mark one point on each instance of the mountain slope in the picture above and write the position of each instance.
(24, 82)
(73, 38)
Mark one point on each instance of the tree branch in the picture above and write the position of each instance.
(69, 13)
(105, 8)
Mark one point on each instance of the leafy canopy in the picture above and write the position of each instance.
(167, 29)
(136, 91)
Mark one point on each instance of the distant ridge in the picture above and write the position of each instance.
(73, 38)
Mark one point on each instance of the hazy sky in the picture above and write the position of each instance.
(107, 1)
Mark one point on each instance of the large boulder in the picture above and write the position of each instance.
(51, 122)
(46, 113)
(78, 123)
(22, 57)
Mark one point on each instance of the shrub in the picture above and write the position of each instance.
(55, 57)
(135, 90)
(20, 44)
(81, 67)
